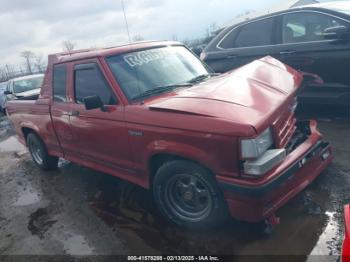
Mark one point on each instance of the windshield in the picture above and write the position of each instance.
(24, 85)
(144, 71)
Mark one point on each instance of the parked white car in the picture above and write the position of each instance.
(2, 95)
(26, 87)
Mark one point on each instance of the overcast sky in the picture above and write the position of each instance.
(42, 25)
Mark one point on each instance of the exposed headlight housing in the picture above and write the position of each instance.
(265, 163)
(253, 148)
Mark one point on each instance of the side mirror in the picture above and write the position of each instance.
(336, 32)
(7, 92)
(93, 102)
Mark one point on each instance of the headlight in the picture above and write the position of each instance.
(253, 148)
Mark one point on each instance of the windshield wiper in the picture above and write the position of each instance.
(159, 90)
(201, 77)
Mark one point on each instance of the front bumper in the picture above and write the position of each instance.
(254, 200)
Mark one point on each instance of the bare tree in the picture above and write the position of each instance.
(213, 28)
(137, 38)
(3, 76)
(39, 63)
(10, 71)
(186, 42)
(68, 46)
(28, 58)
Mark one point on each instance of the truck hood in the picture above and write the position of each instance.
(251, 95)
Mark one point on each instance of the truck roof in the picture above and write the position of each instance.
(102, 52)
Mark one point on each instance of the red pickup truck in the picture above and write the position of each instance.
(152, 113)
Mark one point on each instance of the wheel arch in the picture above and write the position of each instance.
(26, 130)
(158, 159)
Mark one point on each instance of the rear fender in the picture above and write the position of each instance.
(28, 125)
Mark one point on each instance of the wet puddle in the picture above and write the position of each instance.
(306, 226)
(63, 163)
(28, 195)
(324, 245)
(4, 124)
(12, 144)
(27, 198)
(77, 245)
(40, 222)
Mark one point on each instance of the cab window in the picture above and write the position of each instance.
(60, 83)
(89, 81)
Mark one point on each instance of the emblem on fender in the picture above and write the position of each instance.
(135, 133)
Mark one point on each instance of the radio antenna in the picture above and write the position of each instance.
(130, 42)
(126, 21)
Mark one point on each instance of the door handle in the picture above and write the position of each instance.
(74, 113)
(287, 52)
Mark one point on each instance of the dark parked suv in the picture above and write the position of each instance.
(313, 38)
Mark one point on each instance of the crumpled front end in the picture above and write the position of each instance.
(253, 200)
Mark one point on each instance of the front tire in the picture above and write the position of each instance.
(188, 195)
(38, 151)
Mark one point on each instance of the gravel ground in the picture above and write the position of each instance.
(77, 211)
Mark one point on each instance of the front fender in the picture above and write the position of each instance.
(178, 149)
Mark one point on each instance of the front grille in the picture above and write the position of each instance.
(284, 129)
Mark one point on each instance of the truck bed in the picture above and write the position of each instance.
(36, 115)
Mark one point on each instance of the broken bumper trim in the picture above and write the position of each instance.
(258, 191)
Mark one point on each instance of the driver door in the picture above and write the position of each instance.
(99, 137)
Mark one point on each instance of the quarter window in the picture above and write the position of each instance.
(89, 81)
(307, 26)
(257, 33)
(229, 40)
(60, 83)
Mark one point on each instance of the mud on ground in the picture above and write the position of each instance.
(78, 211)
(47, 213)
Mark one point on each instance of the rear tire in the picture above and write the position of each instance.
(187, 195)
(38, 151)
